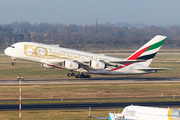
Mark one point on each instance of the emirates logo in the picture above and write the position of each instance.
(97, 65)
(71, 65)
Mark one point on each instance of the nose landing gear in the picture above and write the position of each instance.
(13, 63)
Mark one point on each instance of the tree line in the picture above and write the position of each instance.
(83, 36)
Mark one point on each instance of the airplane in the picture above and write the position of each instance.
(87, 63)
(143, 113)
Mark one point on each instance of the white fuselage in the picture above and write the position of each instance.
(49, 55)
(149, 113)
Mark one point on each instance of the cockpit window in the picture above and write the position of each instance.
(12, 46)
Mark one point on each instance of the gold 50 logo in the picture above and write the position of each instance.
(34, 51)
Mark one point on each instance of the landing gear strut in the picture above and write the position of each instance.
(82, 75)
(13, 63)
(71, 74)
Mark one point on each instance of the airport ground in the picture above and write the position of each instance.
(81, 114)
(33, 71)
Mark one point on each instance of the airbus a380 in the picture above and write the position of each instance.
(144, 113)
(83, 62)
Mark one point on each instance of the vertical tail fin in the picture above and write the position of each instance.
(111, 116)
(149, 50)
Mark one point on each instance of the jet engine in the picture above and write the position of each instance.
(46, 66)
(70, 65)
(97, 65)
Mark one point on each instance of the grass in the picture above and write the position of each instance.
(90, 91)
(92, 101)
(56, 114)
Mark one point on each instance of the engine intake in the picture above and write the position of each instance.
(97, 65)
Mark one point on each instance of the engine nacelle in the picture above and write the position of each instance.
(97, 65)
(70, 65)
(46, 66)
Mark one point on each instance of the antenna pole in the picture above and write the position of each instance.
(20, 98)
(90, 111)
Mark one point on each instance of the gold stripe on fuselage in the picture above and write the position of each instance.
(169, 113)
(41, 52)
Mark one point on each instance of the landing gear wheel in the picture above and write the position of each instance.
(84, 76)
(13, 63)
(72, 74)
(81, 76)
(88, 76)
(77, 76)
(69, 74)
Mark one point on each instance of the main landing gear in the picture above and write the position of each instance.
(71, 74)
(81, 75)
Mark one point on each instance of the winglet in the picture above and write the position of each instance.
(111, 116)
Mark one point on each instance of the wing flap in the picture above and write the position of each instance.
(126, 61)
(152, 69)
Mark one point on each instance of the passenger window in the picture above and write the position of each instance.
(12, 46)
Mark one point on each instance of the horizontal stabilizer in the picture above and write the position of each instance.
(151, 69)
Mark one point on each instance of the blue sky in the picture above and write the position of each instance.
(151, 12)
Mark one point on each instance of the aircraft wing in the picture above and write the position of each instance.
(151, 69)
(107, 118)
(125, 61)
(112, 61)
(85, 63)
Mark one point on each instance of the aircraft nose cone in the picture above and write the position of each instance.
(7, 51)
